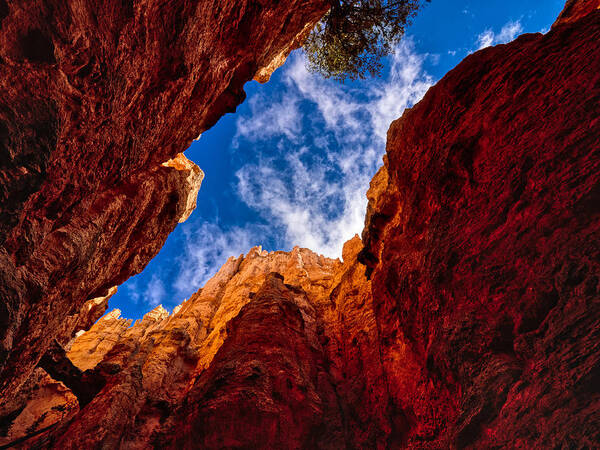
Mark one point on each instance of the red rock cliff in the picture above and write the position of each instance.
(482, 241)
(477, 328)
(253, 358)
(96, 101)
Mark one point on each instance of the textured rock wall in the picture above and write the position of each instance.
(245, 345)
(575, 10)
(482, 241)
(97, 99)
(477, 327)
(268, 385)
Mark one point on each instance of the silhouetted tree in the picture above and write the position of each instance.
(354, 35)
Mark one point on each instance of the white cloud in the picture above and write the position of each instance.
(485, 39)
(508, 33)
(206, 248)
(133, 291)
(280, 118)
(313, 185)
(308, 158)
(405, 86)
(155, 291)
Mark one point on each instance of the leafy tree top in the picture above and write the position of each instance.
(354, 35)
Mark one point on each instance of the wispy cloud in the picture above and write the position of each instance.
(133, 291)
(155, 291)
(206, 248)
(280, 118)
(506, 34)
(312, 182)
(306, 158)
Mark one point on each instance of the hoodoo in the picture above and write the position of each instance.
(468, 316)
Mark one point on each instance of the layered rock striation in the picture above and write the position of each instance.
(97, 100)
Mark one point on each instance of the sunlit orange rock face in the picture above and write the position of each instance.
(254, 358)
(97, 100)
(300, 368)
(482, 241)
(575, 10)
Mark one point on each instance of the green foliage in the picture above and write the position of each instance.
(354, 35)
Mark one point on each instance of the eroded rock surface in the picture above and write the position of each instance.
(249, 333)
(268, 385)
(483, 239)
(473, 323)
(97, 99)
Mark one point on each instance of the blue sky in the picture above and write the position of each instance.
(292, 165)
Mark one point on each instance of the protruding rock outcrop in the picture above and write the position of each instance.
(97, 100)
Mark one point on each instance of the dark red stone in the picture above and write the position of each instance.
(94, 96)
(484, 249)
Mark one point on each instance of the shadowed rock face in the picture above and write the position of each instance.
(94, 98)
(267, 386)
(482, 240)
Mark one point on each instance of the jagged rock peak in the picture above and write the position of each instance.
(157, 314)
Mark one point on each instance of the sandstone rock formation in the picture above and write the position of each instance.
(575, 10)
(41, 403)
(97, 99)
(469, 319)
(248, 332)
(482, 240)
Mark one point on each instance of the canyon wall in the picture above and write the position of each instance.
(467, 317)
(483, 246)
(97, 100)
(254, 358)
